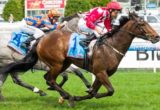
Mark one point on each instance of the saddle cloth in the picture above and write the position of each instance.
(75, 50)
(16, 41)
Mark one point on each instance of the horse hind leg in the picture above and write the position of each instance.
(3, 77)
(64, 79)
(77, 72)
(54, 72)
(17, 80)
(80, 75)
(51, 79)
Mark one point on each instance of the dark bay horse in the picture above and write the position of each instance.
(108, 52)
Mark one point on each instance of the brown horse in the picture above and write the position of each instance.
(108, 52)
(106, 56)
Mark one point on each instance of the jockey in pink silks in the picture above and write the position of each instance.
(88, 24)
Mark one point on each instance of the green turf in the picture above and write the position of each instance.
(134, 90)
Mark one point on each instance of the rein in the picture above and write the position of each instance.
(104, 36)
(101, 40)
(114, 49)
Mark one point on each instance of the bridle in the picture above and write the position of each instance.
(140, 24)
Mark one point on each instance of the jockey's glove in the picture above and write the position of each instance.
(109, 33)
(96, 34)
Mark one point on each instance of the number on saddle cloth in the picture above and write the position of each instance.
(16, 41)
(75, 50)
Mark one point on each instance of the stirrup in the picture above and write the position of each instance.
(84, 45)
(24, 45)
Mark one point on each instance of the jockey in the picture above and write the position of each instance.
(34, 25)
(88, 24)
(52, 20)
(31, 27)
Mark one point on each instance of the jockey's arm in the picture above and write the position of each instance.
(107, 24)
(50, 26)
(30, 21)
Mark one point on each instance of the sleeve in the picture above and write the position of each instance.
(54, 27)
(90, 22)
(49, 25)
(30, 21)
(107, 21)
(94, 15)
(107, 24)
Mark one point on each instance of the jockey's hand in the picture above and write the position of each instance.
(109, 33)
(97, 32)
(63, 23)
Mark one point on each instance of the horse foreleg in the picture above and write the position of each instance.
(65, 78)
(17, 80)
(3, 77)
(80, 74)
(104, 79)
(91, 93)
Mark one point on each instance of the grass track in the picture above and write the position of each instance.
(134, 90)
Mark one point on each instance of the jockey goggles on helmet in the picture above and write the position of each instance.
(53, 13)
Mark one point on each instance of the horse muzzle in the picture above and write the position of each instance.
(155, 39)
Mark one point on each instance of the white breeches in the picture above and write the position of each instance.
(83, 28)
(36, 32)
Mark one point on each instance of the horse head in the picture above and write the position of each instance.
(142, 29)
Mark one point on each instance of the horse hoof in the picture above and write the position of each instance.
(71, 102)
(61, 100)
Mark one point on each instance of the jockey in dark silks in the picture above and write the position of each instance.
(88, 23)
(33, 26)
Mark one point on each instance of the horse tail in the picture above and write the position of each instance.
(24, 64)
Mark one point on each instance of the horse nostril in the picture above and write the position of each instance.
(157, 37)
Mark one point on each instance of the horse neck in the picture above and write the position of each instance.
(122, 39)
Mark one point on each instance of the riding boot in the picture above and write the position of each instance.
(85, 42)
(26, 44)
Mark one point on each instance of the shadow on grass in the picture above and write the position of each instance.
(51, 102)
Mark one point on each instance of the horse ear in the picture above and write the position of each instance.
(133, 15)
(130, 15)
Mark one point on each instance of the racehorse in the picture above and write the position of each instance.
(9, 55)
(107, 54)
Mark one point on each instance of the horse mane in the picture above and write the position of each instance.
(123, 20)
(68, 18)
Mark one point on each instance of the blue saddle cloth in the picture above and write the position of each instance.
(75, 49)
(16, 41)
